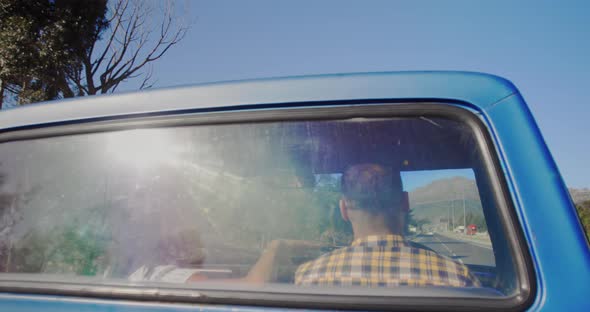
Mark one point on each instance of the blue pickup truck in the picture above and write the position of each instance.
(349, 192)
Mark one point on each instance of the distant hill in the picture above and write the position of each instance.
(444, 198)
(580, 195)
(445, 189)
(439, 201)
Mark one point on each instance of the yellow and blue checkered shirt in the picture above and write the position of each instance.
(384, 261)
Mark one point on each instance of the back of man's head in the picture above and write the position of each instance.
(372, 188)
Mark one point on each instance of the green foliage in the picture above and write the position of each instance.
(249, 214)
(28, 254)
(77, 250)
(42, 43)
(48, 48)
(334, 230)
(79, 246)
(584, 215)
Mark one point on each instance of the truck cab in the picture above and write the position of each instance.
(248, 195)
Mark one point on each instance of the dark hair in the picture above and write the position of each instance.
(372, 187)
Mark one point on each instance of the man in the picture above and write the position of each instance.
(373, 202)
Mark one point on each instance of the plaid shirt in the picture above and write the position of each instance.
(384, 261)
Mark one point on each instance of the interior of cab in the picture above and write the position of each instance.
(303, 155)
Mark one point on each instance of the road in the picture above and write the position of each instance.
(462, 251)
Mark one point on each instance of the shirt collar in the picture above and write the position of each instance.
(389, 240)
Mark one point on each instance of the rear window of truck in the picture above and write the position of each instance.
(370, 206)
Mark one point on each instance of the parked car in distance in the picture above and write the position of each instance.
(471, 229)
(288, 193)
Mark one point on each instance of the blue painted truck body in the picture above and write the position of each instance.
(545, 212)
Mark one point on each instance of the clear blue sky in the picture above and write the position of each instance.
(542, 46)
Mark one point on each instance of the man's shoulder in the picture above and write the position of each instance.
(437, 258)
(449, 266)
(444, 270)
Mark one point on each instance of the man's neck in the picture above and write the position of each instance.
(364, 224)
(364, 231)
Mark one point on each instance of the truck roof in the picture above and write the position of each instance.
(476, 89)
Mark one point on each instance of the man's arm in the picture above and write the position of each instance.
(262, 271)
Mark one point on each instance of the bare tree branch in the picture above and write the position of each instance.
(146, 84)
(137, 38)
(119, 10)
(76, 78)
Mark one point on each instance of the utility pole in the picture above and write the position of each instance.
(453, 213)
(449, 229)
(464, 214)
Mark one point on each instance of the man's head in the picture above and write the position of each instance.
(372, 197)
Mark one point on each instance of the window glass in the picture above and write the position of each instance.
(357, 203)
(447, 216)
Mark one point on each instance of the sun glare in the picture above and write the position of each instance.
(141, 149)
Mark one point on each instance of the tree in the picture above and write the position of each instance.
(131, 43)
(583, 209)
(59, 49)
(9, 216)
(40, 41)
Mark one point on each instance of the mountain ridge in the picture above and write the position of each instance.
(579, 195)
(445, 199)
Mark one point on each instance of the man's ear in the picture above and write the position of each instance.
(343, 210)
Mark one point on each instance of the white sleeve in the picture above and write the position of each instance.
(177, 275)
(139, 274)
(162, 273)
